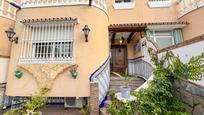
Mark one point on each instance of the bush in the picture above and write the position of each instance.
(158, 97)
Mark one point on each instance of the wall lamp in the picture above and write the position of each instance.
(10, 34)
(86, 31)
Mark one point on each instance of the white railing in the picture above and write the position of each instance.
(139, 67)
(186, 6)
(7, 10)
(159, 3)
(102, 76)
(46, 3)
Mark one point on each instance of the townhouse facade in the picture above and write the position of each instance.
(99, 36)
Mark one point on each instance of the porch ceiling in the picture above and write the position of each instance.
(137, 27)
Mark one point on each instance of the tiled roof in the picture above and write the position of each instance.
(49, 19)
(147, 24)
(140, 26)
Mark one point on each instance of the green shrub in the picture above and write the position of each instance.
(125, 108)
(14, 112)
(86, 110)
(31, 105)
(158, 98)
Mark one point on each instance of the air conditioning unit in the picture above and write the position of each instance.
(72, 102)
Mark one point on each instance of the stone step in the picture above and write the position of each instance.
(123, 82)
(123, 78)
(117, 88)
(116, 82)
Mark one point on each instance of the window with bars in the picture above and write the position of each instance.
(48, 42)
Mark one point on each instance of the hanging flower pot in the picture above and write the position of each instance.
(18, 74)
(74, 74)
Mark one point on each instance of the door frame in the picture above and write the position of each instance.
(126, 53)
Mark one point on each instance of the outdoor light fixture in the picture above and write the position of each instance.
(10, 34)
(122, 40)
(86, 31)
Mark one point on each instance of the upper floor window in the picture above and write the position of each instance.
(48, 42)
(121, 1)
(159, 3)
(124, 4)
(166, 38)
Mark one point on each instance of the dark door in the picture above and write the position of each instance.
(119, 58)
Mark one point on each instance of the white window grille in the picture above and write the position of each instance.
(48, 42)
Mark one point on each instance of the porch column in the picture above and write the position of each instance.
(94, 98)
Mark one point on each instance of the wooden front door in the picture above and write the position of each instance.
(119, 58)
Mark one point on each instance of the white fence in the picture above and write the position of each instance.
(141, 67)
(44, 3)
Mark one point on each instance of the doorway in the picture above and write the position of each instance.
(119, 58)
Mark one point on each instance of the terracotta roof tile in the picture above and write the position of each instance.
(147, 24)
(49, 19)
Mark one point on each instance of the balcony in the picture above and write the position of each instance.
(7, 10)
(159, 3)
(101, 4)
(186, 6)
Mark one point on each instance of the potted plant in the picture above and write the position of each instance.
(18, 74)
(74, 72)
(125, 89)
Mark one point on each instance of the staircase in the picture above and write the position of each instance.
(115, 83)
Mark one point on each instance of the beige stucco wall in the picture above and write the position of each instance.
(5, 44)
(142, 13)
(132, 54)
(4, 62)
(89, 56)
(196, 24)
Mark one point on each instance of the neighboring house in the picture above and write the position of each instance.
(51, 39)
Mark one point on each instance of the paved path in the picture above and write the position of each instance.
(59, 110)
(56, 110)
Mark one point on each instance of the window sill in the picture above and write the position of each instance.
(118, 6)
(159, 4)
